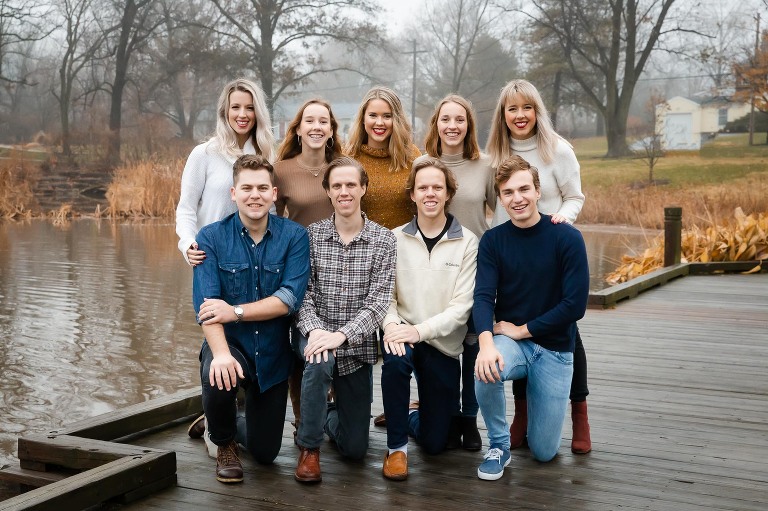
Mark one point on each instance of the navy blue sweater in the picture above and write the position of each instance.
(537, 276)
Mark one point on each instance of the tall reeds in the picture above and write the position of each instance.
(145, 189)
(741, 238)
(17, 180)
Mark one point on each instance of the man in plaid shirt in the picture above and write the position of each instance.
(352, 276)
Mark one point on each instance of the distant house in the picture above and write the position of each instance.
(687, 122)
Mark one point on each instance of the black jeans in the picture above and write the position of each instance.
(579, 388)
(264, 411)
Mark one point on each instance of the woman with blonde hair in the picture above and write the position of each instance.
(380, 139)
(311, 142)
(521, 126)
(243, 126)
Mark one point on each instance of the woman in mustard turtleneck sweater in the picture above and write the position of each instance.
(381, 140)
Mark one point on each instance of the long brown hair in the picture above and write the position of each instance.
(432, 142)
(290, 146)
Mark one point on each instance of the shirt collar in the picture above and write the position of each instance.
(365, 234)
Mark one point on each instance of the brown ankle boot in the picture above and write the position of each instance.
(581, 442)
(228, 466)
(308, 467)
(519, 428)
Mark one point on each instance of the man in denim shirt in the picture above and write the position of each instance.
(253, 279)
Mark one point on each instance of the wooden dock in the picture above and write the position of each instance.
(678, 410)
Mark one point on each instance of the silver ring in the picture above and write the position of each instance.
(212, 314)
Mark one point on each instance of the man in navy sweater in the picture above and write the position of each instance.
(533, 277)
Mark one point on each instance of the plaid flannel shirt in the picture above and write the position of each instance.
(350, 287)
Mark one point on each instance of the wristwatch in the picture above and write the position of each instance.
(239, 313)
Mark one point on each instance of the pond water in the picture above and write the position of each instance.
(95, 316)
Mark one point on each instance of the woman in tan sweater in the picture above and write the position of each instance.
(381, 140)
(311, 142)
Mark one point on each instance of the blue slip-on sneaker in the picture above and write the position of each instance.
(493, 467)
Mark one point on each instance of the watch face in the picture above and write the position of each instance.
(239, 311)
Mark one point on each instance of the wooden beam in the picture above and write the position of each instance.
(610, 296)
(34, 478)
(140, 417)
(108, 481)
(726, 267)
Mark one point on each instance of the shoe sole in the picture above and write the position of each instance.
(229, 480)
(308, 479)
(398, 477)
(493, 477)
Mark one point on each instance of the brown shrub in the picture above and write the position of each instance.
(145, 189)
(17, 179)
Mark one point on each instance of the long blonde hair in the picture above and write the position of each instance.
(290, 146)
(433, 144)
(401, 139)
(498, 146)
(261, 136)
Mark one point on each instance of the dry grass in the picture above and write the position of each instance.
(145, 189)
(17, 180)
(743, 238)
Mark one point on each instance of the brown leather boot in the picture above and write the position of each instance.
(581, 442)
(228, 466)
(519, 428)
(308, 468)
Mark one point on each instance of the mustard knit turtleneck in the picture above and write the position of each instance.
(386, 201)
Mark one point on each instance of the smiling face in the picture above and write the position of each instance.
(452, 128)
(520, 117)
(241, 115)
(377, 122)
(254, 195)
(430, 193)
(345, 191)
(519, 197)
(315, 127)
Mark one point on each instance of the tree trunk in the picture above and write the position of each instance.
(121, 71)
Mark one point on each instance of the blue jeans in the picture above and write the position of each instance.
(348, 419)
(549, 382)
(262, 433)
(437, 379)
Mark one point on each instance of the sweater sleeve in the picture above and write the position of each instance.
(192, 185)
(574, 286)
(568, 177)
(486, 283)
(456, 313)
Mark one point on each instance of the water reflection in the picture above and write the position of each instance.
(95, 316)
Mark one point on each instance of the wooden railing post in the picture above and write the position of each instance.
(673, 225)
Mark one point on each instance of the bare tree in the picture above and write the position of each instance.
(82, 42)
(649, 146)
(282, 34)
(612, 40)
(21, 22)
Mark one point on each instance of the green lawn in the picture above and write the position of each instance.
(725, 158)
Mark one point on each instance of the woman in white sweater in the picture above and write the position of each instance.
(243, 126)
(521, 126)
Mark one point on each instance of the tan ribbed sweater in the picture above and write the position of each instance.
(300, 192)
(386, 202)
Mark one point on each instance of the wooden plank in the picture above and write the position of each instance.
(139, 417)
(725, 266)
(612, 295)
(97, 485)
(35, 478)
(75, 452)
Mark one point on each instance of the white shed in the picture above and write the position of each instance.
(687, 122)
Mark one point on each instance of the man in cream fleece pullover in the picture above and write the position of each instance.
(427, 319)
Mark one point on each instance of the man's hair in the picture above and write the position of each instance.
(252, 162)
(344, 161)
(450, 181)
(514, 164)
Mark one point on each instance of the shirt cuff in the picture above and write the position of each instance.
(287, 298)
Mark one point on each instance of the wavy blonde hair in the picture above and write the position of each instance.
(432, 142)
(499, 144)
(290, 146)
(401, 139)
(225, 140)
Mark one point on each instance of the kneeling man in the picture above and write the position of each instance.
(425, 327)
(253, 278)
(350, 287)
(532, 275)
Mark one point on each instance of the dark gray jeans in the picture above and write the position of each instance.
(347, 420)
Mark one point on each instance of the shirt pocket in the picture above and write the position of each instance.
(234, 278)
(272, 275)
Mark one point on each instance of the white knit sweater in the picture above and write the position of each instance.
(560, 180)
(205, 191)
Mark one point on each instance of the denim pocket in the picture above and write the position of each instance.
(234, 278)
(273, 274)
(565, 357)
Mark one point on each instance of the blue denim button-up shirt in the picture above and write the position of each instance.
(239, 271)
